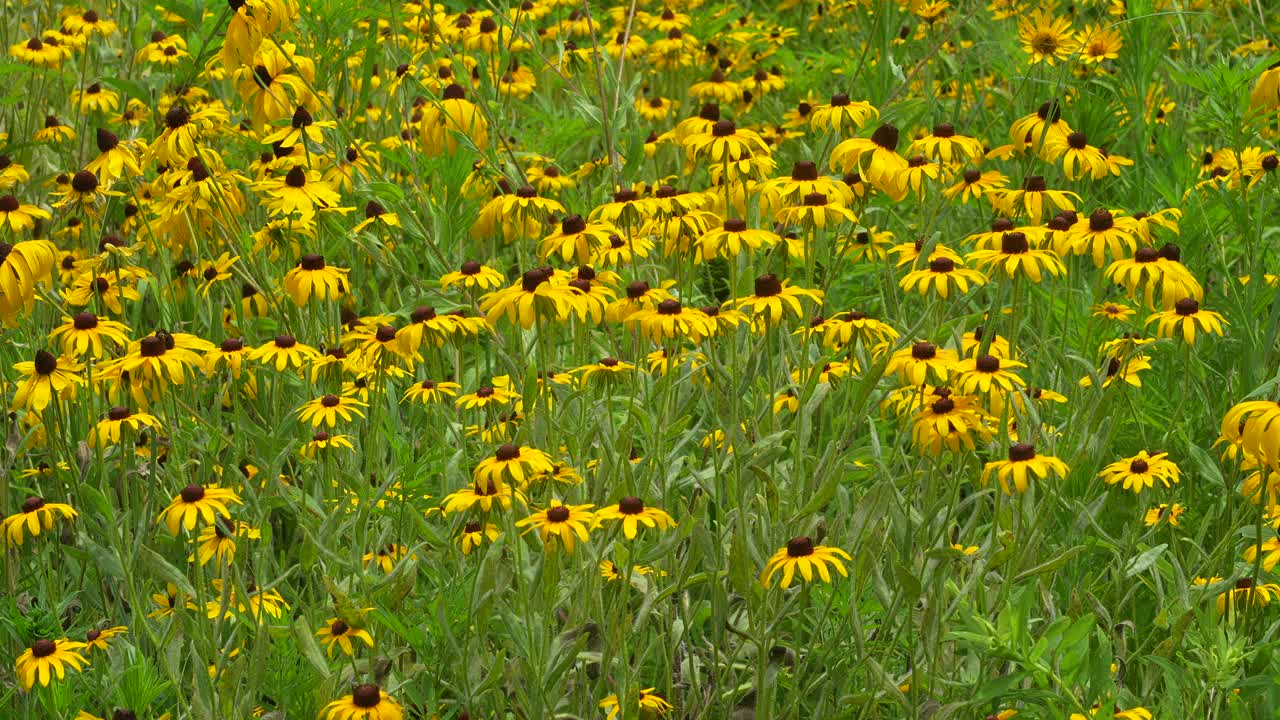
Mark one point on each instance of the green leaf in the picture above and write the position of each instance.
(1144, 560)
(310, 648)
(153, 561)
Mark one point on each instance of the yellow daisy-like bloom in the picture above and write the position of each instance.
(444, 123)
(1098, 43)
(100, 639)
(366, 702)
(945, 145)
(949, 421)
(1102, 234)
(110, 430)
(430, 391)
(514, 463)
(1079, 158)
(1031, 199)
(578, 240)
(196, 502)
(772, 299)
(472, 275)
(818, 210)
(561, 522)
(801, 554)
(940, 274)
(25, 265)
(46, 660)
(486, 396)
(41, 52)
(649, 702)
(1023, 464)
(337, 633)
(35, 516)
(1112, 311)
(1122, 370)
(725, 142)
(842, 114)
(1045, 38)
(1142, 471)
(986, 373)
(921, 363)
(300, 192)
(283, 352)
(311, 278)
(1016, 257)
(1242, 595)
(1186, 316)
(669, 319)
(84, 334)
(19, 217)
(976, 184)
(387, 556)
(327, 410)
(257, 602)
(474, 534)
(484, 493)
(323, 441)
(632, 512)
(46, 379)
(855, 327)
(729, 240)
(533, 297)
(1164, 512)
(218, 540)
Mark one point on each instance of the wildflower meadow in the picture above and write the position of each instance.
(868, 359)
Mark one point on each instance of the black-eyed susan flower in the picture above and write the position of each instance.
(948, 421)
(327, 410)
(773, 299)
(46, 660)
(922, 362)
(41, 52)
(577, 240)
(1023, 464)
(18, 216)
(649, 702)
(97, 639)
(939, 275)
(1127, 370)
(724, 141)
(253, 603)
(801, 554)
(633, 512)
(1103, 233)
(85, 334)
(1016, 256)
(987, 373)
(534, 297)
(1243, 594)
(336, 633)
(387, 556)
(561, 522)
(976, 184)
(1079, 158)
(1142, 471)
(283, 352)
(485, 396)
(876, 158)
(45, 379)
(35, 516)
(430, 392)
(482, 493)
(945, 145)
(217, 540)
(842, 114)
(472, 275)
(1184, 319)
(474, 534)
(196, 502)
(1118, 312)
(1031, 199)
(512, 463)
(446, 122)
(670, 319)
(110, 430)
(1166, 513)
(312, 278)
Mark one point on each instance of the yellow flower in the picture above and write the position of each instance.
(329, 408)
(649, 702)
(366, 702)
(1187, 316)
(46, 659)
(632, 512)
(196, 502)
(801, 554)
(35, 516)
(1022, 464)
(337, 633)
(562, 522)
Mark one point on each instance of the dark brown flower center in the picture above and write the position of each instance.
(1021, 452)
(943, 406)
(1139, 466)
(804, 171)
(84, 182)
(1014, 243)
(296, 178)
(1186, 306)
(768, 285)
(942, 265)
(44, 648)
(192, 493)
(176, 117)
(924, 351)
(284, 342)
(987, 364)
(558, 514)
(631, 505)
(669, 307)
(330, 401)
(32, 504)
(1035, 183)
(507, 453)
(1101, 220)
(800, 547)
(366, 696)
(886, 136)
